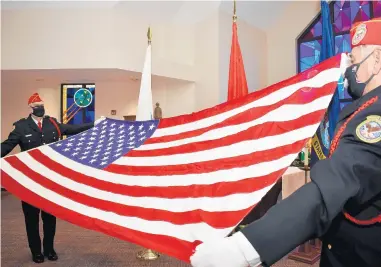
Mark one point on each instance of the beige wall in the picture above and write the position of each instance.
(281, 39)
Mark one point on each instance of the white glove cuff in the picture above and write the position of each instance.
(247, 249)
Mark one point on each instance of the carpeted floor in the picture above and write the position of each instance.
(76, 247)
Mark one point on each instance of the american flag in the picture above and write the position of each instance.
(170, 184)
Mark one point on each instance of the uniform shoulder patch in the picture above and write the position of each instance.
(369, 130)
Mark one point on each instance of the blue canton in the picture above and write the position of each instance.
(106, 142)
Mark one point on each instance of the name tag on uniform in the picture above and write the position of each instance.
(28, 135)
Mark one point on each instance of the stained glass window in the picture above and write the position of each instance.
(77, 103)
(348, 12)
(311, 54)
(344, 14)
(376, 9)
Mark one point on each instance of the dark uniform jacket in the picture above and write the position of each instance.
(27, 134)
(349, 180)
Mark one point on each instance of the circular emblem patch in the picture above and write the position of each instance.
(359, 34)
(369, 130)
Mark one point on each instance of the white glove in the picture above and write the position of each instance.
(99, 120)
(229, 252)
(345, 62)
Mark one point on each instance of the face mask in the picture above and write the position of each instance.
(39, 111)
(355, 88)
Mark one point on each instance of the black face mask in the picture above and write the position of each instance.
(39, 111)
(355, 88)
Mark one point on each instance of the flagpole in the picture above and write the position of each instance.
(235, 11)
(148, 254)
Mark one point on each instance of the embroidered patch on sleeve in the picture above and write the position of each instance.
(369, 130)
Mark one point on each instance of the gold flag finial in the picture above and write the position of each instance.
(149, 35)
(234, 11)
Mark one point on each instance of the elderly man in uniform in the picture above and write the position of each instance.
(342, 204)
(36, 130)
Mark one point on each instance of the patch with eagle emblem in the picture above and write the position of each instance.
(369, 130)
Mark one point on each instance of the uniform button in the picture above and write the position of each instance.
(43, 143)
(42, 135)
(329, 246)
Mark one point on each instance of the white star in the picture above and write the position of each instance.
(77, 149)
(132, 138)
(103, 163)
(107, 153)
(112, 130)
(88, 148)
(104, 158)
(66, 149)
(59, 144)
(117, 155)
(131, 127)
(84, 157)
(141, 127)
(152, 126)
(121, 137)
(141, 133)
(75, 153)
(95, 155)
(112, 125)
(131, 133)
(122, 131)
(82, 138)
(80, 143)
(120, 141)
(142, 138)
(121, 126)
(93, 160)
(119, 149)
(131, 143)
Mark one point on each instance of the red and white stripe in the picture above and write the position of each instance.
(194, 179)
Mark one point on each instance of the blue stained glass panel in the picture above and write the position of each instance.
(342, 43)
(309, 54)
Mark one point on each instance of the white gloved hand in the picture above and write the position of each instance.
(345, 62)
(219, 253)
(99, 120)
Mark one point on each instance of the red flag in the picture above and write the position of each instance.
(237, 77)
